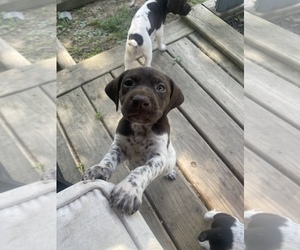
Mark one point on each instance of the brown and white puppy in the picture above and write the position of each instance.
(143, 134)
(150, 19)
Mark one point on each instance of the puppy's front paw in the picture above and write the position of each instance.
(97, 172)
(126, 197)
(162, 47)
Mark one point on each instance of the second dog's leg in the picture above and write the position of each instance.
(159, 38)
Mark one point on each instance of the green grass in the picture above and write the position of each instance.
(99, 116)
(94, 35)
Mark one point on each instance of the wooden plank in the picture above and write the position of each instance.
(63, 5)
(215, 55)
(273, 93)
(224, 90)
(64, 59)
(198, 162)
(50, 89)
(13, 159)
(273, 139)
(14, 5)
(215, 126)
(31, 114)
(65, 160)
(16, 80)
(272, 39)
(219, 33)
(11, 58)
(211, 5)
(96, 94)
(279, 68)
(103, 63)
(268, 190)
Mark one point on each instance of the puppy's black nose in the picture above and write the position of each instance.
(140, 101)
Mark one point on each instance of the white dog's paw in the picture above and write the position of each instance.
(126, 197)
(97, 172)
(162, 47)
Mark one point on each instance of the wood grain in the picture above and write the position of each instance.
(224, 90)
(270, 63)
(273, 139)
(268, 190)
(219, 33)
(218, 129)
(272, 39)
(31, 114)
(16, 80)
(274, 93)
(217, 56)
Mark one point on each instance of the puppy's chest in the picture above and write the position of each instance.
(139, 148)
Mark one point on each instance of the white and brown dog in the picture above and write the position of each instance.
(226, 233)
(143, 134)
(150, 19)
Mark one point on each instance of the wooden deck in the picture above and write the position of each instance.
(27, 116)
(272, 120)
(207, 130)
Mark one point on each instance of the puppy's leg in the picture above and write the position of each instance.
(127, 195)
(130, 54)
(171, 163)
(108, 164)
(147, 50)
(159, 38)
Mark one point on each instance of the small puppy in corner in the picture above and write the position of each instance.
(150, 19)
(226, 233)
(143, 134)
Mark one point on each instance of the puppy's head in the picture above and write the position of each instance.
(145, 94)
(179, 7)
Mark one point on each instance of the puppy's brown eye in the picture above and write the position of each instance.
(161, 88)
(128, 83)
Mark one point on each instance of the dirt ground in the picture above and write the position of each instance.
(34, 36)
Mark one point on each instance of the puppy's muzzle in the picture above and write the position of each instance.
(140, 102)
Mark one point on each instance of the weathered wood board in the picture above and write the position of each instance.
(273, 139)
(279, 68)
(16, 80)
(13, 155)
(64, 59)
(216, 31)
(274, 93)
(11, 58)
(272, 39)
(31, 114)
(209, 119)
(207, 48)
(268, 190)
(224, 90)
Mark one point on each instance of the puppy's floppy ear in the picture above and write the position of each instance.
(176, 97)
(215, 234)
(112, 89)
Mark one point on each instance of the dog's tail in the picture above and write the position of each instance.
(135, 40)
